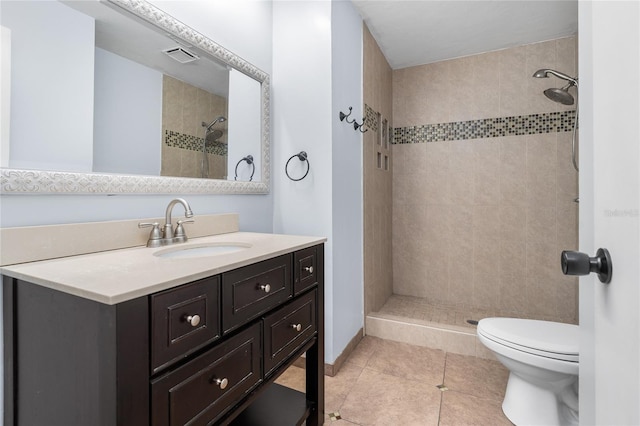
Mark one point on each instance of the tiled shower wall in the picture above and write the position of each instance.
(483, 208)
(377, 178)
(184, 109)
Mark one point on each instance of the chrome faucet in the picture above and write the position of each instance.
(168, 235)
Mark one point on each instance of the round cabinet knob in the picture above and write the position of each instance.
(222, 383)
(309, 269)
(265, 287)
(194, 320)
(296, 327)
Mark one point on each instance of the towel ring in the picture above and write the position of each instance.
(249, 160)
(302, 156)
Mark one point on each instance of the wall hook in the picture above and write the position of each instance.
(249, 160)
(359, 127)
(302, 156)
(344, 116)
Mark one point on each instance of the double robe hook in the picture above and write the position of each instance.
(356, 126)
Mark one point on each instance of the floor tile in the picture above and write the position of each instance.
(408, 361)
(338, 387)
(475, 376)
(294, 378)
(462, 409)
(362, 353)
(382, 399)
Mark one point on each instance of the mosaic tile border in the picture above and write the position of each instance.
(370, 118)
(532, 124)
(193, 143)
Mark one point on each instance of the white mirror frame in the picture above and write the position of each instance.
(19, 181)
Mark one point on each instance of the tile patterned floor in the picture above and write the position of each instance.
(391, 383)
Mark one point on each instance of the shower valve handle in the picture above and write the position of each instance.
(577, 263)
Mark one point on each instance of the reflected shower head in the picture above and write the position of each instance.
(213, 135)
(221, 119)
(560, 95)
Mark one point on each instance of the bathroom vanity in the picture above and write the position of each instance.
(137, 337)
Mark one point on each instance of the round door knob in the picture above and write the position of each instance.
(296, 327)
(309, 269)
(222, 383)
(577, 263)
(265, 287)
(194, 320)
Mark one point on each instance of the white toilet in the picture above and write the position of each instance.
(542, 358)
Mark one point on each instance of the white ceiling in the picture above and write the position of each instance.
(424, 31)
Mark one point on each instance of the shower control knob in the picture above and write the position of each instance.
(577, 263)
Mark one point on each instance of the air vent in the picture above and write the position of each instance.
(181, 55)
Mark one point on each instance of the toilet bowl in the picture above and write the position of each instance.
(542, 358)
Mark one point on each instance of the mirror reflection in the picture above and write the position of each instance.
(95, 89)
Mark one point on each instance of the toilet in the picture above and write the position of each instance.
(542, 358)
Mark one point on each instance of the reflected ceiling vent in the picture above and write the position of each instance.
(181, 54)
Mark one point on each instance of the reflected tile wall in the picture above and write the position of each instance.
(184, 109)
(480, 222)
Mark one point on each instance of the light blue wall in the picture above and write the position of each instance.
(316, 73)
(127, 116)
(347, 184)
(51, 63)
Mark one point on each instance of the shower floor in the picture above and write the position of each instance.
(417, 321)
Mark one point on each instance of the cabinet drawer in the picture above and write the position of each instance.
(203, 389)
(250, 291)
(184, 319)
(287, 329)
(305, 269)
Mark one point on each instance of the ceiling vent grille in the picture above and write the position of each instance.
(181, 54)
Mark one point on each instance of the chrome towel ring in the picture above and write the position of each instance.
(302, 156)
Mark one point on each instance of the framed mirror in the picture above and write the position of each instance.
(120, 97)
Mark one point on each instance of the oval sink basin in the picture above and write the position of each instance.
(200, 250)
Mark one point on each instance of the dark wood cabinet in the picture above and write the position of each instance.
(202, 353)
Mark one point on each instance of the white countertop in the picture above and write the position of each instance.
(116, 276)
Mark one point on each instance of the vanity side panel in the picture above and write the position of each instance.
(9, 348)
(65, 360)
(132, 357)
(315, 355)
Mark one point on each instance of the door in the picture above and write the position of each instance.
(609, 40)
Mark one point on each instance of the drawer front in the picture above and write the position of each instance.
(184, 319)
(305, 269)
(250, 291)
(287, 329)
(200, 391)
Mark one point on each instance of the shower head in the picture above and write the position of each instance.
(544, 73)
(560, 95)
(220, 119)
(213, 135)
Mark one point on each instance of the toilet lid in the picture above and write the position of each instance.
(544, 338)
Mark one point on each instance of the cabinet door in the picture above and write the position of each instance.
(184, 319)
(202, 390)
(251, 291)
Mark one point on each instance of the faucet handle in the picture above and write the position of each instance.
(179, 233)
(155, 236)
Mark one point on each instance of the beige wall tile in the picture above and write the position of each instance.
(503, 204)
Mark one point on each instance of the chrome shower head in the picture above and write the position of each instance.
(220, 119)
(560, 95)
